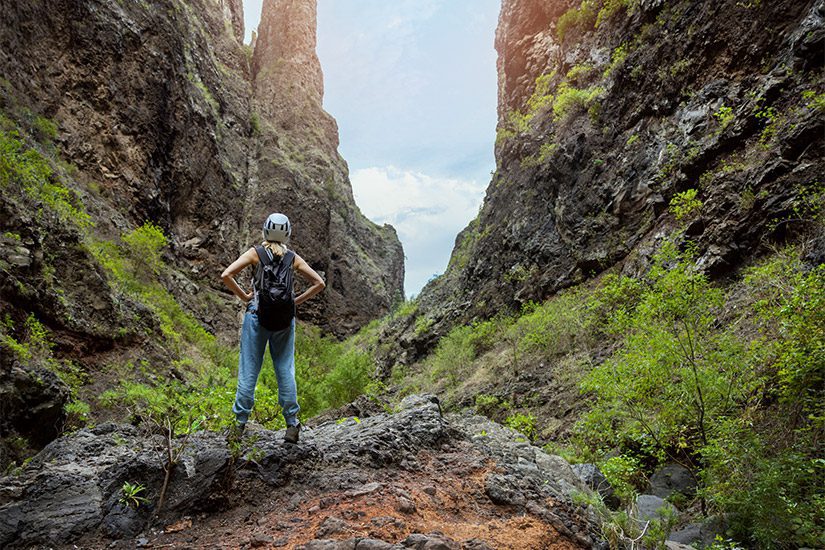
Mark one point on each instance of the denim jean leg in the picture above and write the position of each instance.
(253, 344)
(282, 349)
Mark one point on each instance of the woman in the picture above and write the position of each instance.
(254, 336)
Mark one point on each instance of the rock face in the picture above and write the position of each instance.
(606, 112)
(162, 114)
(397, 477)
(156, 111)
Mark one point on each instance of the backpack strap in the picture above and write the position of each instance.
(263, 255)
(288, 258)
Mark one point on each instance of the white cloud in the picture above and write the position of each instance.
(426, 211)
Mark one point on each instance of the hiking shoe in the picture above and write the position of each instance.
(292, 433)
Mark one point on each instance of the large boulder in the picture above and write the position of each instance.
(670, 479)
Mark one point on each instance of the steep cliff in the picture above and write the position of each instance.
(608, 110)
(119, 113)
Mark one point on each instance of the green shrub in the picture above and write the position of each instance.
(255, 124)
(617, 59)
(33, 348)
(685, 387)
(405, 308)
(685, 205)
(725, 116)
(541, 96)
(423, 324)
(78, 414)
(624, 473)
(25, 167)
(580, 18)
(453, 356)
(491, 406)
(610, 8)
(522, 423)
(771, 121)
(579, 72)
(555, 327)
(144, 246)
(814, 100)
(545, 152)
(570, 100)
(130, 494)
(44, 128)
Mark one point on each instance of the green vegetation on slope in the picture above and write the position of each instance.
(185, 375)
(728, 381)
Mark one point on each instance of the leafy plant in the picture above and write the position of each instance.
(144, 245)
(570, 100)
(685, 205)
(130, 494)
(725, 116)
(25, 167)
(523, 423)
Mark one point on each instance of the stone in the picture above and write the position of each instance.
(374, 544)
(432, 541)
(700, 533)
(332, 526)
(501, 490)
(670, 479)
(260, 539)
(327, 544)
(405, 505)
(591, 476)
(649, 507)
(475, 544)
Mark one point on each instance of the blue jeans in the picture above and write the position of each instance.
(254, 338)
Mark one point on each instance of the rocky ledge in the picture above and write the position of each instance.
(408, 479)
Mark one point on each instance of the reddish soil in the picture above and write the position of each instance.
(445, 495)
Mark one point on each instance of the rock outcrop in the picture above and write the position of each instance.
(609, 110)
(163, 115)
(390, 478)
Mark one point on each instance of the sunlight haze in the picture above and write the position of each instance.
(412, 85)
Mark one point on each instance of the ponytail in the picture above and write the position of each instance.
(276, 248)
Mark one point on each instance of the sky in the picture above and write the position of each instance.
(412, 84)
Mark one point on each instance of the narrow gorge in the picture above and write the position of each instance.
(641, 294)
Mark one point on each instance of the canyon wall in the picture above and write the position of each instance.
(610, 110)
(118, 113)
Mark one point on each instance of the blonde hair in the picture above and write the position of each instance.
(278, 249)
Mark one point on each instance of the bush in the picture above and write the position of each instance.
(491, 406)
(44, 128)
(579, 18)
(453, 356)
(570, 101)
(685, 205)
(555, 327)
(685, 386)
(522, 423)
(144, 245)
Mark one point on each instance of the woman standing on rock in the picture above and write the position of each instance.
(270, 317)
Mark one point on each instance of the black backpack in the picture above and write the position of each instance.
(276, 298)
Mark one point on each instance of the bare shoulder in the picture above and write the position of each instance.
(297, 260)
(251, 255)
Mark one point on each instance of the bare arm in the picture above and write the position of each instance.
(311, 276)
(249, 257)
